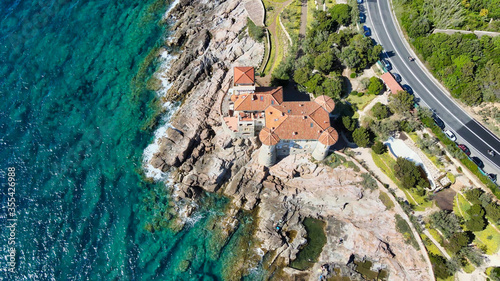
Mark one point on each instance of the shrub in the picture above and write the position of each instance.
(440, 267)
(375, 86)
(256, 32)
(354, 93)
(446, 222)
(459, 240)
(379, 147)
(477, 222)
(380, 111)
(401, 102)
(353, 75)
(473, 195)
(360, 94)
(361, 137)
(349, 123)
(409, 174)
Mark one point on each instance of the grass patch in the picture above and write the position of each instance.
(316, 239)
(364, 268)
(404, 228)
(462, 207)
(360, 102)
(386, 163)
(468, 268)
(351, 165)
(330, 3)
(488, 239)
(310, 12)
(386, 200)
(451, 177)
(435, 234)
(430, 246)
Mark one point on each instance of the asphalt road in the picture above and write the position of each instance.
(468, 131)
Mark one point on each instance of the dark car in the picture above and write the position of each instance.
(397, 77)
(438, 122)
(478, 162)
(366, 31)
(387, 64)
(493, 177)
(464, 148)
(362, 18)
(407, 89)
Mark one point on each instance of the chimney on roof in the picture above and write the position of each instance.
(282, 113)
(294, 133)
(254, 97)
(304, 117)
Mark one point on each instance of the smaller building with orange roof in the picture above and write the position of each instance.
(391, 83)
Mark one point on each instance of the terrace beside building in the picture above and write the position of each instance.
(283, 127)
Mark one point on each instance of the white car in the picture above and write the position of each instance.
(450, 135)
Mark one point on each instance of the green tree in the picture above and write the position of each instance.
(324, 62)
(401, 102)
(349, 123)
(350, 57)
(375, 86)
(473, 195)
(446, 222)
(380, 111)
(332, 87)
(301, 75)
(379, 147)
(408, 173)
(477, 221)
(440, 266)
(315, 80)
(419, 27)
(361, 137)
(493, 211)
(459, 240)
(256, 32)
(341, 13)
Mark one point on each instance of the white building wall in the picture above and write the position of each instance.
(290, 147)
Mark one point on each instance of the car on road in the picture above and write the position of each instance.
(397, 77)
(360, 1)
(478, 162)
(366, 31)
(407, 89)
(438, 122)
(450, 135)
(362, 18)
(464, 148)
(387, 64)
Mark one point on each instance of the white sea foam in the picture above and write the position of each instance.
(150, 171)
(167, 13)
(151, 149)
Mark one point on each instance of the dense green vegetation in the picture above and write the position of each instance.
(316, 239)
(410, 175)
(316, 64)
(256, 32)
(467, 65)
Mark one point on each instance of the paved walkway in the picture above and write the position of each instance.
(443, 251)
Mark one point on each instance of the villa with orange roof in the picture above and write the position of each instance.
(283, 127)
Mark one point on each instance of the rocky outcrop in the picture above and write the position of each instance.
(211, 39)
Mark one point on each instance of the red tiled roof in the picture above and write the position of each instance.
(329, 137)
(297, 120)
(326, 102)
(244, 75)
(268, 137)
(260, 100)
(391, 83)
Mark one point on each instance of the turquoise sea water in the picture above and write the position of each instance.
(74, 121)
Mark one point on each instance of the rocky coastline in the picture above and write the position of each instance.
(211, 38)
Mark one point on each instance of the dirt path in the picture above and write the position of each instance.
(278, 8)
(303, 20)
